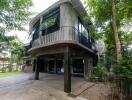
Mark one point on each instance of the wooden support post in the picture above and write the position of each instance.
(67, 71)
(37, 70)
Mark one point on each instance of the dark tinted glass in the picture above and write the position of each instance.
(51, 22)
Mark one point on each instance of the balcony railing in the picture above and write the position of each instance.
(66, 33)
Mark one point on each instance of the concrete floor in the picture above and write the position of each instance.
(49, 87)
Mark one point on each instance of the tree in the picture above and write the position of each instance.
(115, 31)
(110, 18)
(17, 51)
(112, 14)
(5, 42)
(13, 14)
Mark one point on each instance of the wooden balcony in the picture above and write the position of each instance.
(63, 35)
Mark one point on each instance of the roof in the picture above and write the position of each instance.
(77, 5)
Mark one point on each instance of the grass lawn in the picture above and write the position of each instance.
(8, 74)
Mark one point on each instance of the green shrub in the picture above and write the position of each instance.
(100, 73)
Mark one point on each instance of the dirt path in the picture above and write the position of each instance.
(98, 92)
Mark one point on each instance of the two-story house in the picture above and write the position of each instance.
(62, 42)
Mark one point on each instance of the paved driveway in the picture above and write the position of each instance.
(49, 87)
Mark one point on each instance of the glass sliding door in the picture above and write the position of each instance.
(51, 66)
(78, 66)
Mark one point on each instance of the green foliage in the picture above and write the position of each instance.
(17, 51)
(9, 74)
(71, 94)
(109, 70)
(98, 9)
(126, 39)
(14, 13)
(13, 45)
(124, 8)
(123, 70)
(100, 12)
(110, 59)
(100, 73)
(5, 41)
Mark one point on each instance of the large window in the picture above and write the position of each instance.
(35, 31)
(51, 22)
(83, 33)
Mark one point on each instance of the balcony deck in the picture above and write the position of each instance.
(65, 35)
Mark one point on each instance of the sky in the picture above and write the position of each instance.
(39, 6)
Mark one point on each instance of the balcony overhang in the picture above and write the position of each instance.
(58, 47)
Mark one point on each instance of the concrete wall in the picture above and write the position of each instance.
(68, 17)
(88, 67)
(69, 24)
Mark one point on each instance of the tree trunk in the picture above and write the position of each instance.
(115, 31)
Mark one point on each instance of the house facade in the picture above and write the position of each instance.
(4, 62)
(61, 42)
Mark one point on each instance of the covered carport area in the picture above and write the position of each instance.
(66, 52)
(57, 81)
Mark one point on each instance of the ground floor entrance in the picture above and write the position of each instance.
(55, 66)
(78, 66)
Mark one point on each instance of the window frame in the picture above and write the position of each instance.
(82, 26)
(35, 30)
(56, 25)
(81, 36)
